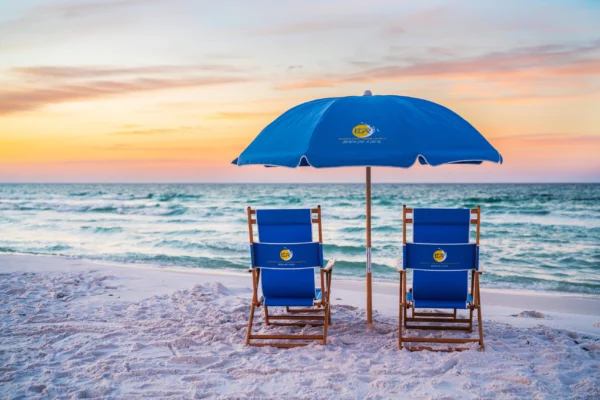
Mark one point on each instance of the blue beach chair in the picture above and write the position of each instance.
(441, 258)
(283, 265)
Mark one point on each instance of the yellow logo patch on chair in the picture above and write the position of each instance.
(286, 255)
(439, 255)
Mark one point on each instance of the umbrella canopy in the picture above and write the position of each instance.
(387, 131)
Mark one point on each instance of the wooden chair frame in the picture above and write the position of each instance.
(319, 316)
(418, 318)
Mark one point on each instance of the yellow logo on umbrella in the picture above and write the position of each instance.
(363, 131)
(286, 255)
(439, 255)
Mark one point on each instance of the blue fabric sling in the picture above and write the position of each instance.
(287, 257)
(441, 257)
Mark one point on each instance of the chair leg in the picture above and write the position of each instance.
(325, 324)
(479, 319)
(480, 323)
(266, 315)
(405, 312)
(400, 325)
(471, 319)
(250, 324)
(401, 311)
(455, 313)
(328, 280)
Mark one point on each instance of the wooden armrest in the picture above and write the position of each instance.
(329, 265)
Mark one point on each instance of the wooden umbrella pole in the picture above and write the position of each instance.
(369, 292)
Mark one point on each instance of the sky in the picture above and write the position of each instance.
(172, 91)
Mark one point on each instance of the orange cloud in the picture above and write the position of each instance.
(546, 141)
(35, 87)
(25, 100)
(242, 115)
(158, 131)
(69, 72)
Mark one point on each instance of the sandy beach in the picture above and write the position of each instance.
(80, 329)
(152, 151)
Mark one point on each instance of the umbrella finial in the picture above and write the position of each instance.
(367, 93)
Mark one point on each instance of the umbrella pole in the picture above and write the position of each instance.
(369, 293)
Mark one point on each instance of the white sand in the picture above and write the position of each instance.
(77, 329)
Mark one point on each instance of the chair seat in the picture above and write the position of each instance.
(439, 303)
(291, 301)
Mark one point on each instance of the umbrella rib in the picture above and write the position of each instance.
(323, 115)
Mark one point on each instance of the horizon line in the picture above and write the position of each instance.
(298, 183)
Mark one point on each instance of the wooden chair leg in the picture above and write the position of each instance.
(325, 323)
(406, 306)
(480, 323)
(479, 319)
(329, 295)
(471, 319)
(266, 315)
(401, 310)
(250, 324)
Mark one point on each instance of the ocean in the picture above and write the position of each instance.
(533, 236)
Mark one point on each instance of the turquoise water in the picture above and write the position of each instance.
(533, 236)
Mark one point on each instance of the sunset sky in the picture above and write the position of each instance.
(172, 91)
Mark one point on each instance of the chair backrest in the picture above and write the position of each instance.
(441, 254)
(438, 225)
(286, 253)
(284, 226)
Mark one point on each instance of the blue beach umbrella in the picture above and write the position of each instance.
(368, 131)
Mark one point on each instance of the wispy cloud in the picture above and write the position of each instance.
(242, 115)
(189, 149)
(16, 101)
(313, 26)
(533, 16)
(556, 139)
(152, 132)
(54, 85)
(79, 72)
(78, 9)
(49, 22)
(524, 62)
(592, 93)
